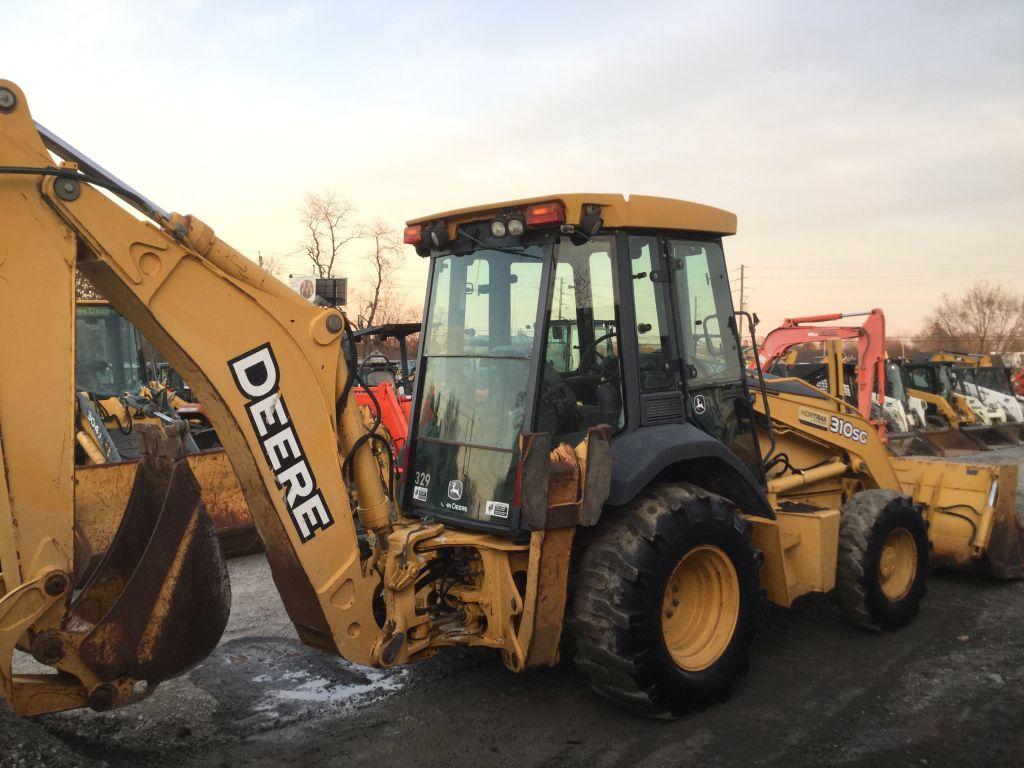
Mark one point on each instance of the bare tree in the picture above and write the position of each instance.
(270, 263)
(393, 307)
(383, 259)
(987, 318)
(325, 219)
(900, 345)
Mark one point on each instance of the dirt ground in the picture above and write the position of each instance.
(946, 691)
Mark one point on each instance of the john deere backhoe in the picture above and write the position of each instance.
(632, 467)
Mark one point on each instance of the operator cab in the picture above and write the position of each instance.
(998, 378)
(109, 355)
(933, 377)
(558, 315)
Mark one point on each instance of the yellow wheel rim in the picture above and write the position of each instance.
(897, 566)
(700, 608)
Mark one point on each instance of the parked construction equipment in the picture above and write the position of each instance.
(897, 410)
(121, 385)
(936, 383)
(639, 449)
(982, 536)
(872, 376)
(1017, 381)
(985, 378)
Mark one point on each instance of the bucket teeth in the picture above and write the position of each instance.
(159, 600)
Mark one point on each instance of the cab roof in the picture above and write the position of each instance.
(640, 211)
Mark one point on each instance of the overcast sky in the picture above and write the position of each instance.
(874, 152)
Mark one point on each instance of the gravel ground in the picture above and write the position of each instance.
(946, 691)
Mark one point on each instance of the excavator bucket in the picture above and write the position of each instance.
(102, 492)
(972, 514)
(159, 600)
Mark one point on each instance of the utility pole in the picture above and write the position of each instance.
(561, 280)
(743, 298)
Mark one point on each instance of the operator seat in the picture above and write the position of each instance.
(557, 413)
(609, 393)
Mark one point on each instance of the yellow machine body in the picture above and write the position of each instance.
(272, 362)
(352, 567)
(970, 508)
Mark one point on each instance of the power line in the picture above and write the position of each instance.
(907, 270)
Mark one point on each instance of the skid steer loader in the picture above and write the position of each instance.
(936, 383)
(985, 378)
(634, 461)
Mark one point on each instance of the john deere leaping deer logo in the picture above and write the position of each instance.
(699, 405)
(455, 490)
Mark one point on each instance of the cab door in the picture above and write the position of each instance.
(711, 375)
(657, 353)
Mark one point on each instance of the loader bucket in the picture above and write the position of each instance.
(910, 444)
(972, 515)
(1014, 431)
(992, 435)
(159, 599)
(949, 441)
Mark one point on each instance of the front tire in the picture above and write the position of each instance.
(882, 571)
(667, 596)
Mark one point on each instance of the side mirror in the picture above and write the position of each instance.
(643, 328)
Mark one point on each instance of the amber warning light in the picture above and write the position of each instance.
(545, 213)
(413, 235)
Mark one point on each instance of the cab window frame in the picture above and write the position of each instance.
(615, 243)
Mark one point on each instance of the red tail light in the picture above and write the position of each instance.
(545, 213)
(413, 235)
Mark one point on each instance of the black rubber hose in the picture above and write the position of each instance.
(63, 173)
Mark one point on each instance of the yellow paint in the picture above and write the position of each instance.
(800, 552)
(616, 210)
(897, 564)
(700, 608)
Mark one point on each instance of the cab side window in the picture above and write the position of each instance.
(705, 303)
(652, 325)
(581, 385)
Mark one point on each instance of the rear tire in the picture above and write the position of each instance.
(882, 571)
(642, 644)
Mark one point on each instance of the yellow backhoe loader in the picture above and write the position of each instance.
(580, 410)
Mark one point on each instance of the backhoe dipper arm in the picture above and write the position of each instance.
(870, 348)
(266, 364)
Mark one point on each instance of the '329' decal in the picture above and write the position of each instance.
(846, 429)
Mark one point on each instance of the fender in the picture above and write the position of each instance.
(640, 456)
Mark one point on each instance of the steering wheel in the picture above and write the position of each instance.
(591, 348)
